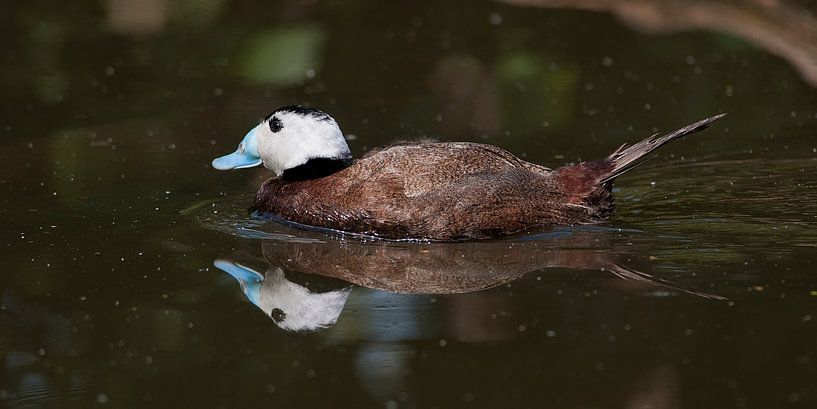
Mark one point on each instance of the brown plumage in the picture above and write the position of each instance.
(455, 191)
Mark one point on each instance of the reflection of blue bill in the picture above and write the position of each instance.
(249, 279)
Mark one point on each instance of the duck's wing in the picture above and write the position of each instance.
(425, 167)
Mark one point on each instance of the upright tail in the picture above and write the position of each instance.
(628, 157)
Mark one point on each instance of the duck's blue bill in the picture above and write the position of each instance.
(249, 279)
(246, 156)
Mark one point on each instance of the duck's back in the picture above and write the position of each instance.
(437, 191)
(425, 167)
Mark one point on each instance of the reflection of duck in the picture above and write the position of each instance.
(434, 191)
(308, 282)
(428, 268)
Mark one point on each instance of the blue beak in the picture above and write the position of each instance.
(246, 156)
(249, 279)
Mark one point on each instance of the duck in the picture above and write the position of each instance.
(424, 190)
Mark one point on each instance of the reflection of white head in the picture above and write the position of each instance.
(294, 308)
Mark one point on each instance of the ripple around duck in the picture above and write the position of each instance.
(424, 267)
(756, 205)
(719, 224)
(229, 215)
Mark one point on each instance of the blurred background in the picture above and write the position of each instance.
(112, 215)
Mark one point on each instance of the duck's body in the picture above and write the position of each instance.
(435, 191)
(446, 191)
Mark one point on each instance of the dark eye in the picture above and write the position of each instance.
(277, 315)
(275, 124)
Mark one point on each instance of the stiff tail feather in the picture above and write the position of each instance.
(628, 157)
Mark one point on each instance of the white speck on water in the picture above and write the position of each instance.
(310, 73)
(607, 61)
(442, 342)
(110, 71)
(101, 398)
(550, 333)
(218, 92)
(690, 60)
(495, 19)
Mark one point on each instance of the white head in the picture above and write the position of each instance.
(288, 137)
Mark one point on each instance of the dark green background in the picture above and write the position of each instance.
(111, 215)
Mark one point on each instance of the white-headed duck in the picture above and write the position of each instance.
(438, 191)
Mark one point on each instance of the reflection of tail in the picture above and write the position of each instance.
(660, 282)
(628, 157)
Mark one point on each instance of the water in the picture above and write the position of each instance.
(699, 292)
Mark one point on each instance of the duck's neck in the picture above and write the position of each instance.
(315, 168)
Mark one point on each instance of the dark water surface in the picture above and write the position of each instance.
(112, 218)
